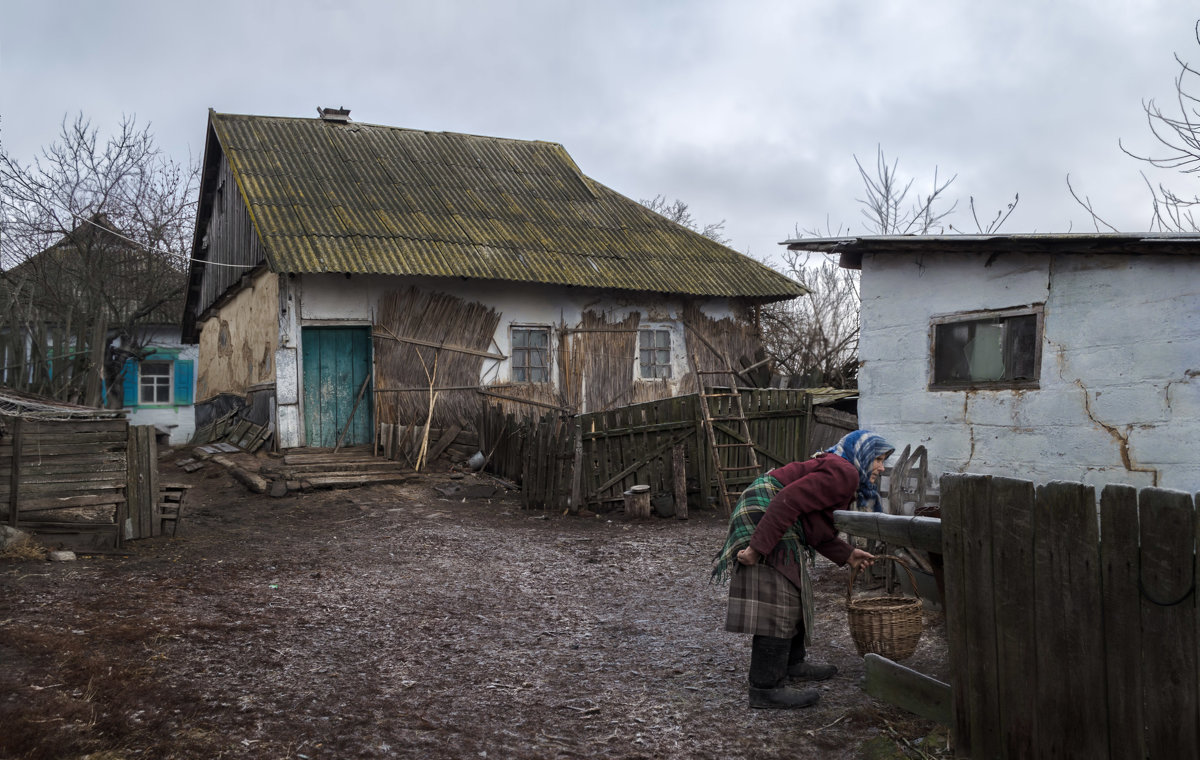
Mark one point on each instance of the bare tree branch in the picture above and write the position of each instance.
(93, 248)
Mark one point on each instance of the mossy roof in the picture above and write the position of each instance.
(350, 197)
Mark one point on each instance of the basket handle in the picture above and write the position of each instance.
(854, 574)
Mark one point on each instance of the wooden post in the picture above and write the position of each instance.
(14, 487)
(679, 476)
(637, 501)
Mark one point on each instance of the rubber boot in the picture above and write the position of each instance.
(801, 670)
(768, 676)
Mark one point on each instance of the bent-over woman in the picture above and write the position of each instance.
(779, 521)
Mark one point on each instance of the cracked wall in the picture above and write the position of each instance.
(1118, 399)
(237, 344)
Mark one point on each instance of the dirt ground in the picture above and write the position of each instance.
(392, 621)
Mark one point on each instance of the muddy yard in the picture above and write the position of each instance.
(394, 621)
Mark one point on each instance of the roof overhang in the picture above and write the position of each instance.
(852, 249)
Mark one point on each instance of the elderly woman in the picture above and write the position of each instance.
(780, 520)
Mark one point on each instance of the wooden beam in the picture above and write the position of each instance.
(431, 344)
(14, 487)
(913, 532)
(515, 399)
(907, 689)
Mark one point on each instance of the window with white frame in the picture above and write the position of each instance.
(154, 383)
(530, 354)
(995, 349)
(654, 353)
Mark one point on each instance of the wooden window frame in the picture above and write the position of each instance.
(143, 386)
(654, 330)
(515, 352)
(990, 315)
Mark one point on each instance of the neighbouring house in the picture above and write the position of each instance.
(1042, 357)
(349, 275)
(159, 385)
(94, 320)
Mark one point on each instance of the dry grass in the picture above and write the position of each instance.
(26, 549)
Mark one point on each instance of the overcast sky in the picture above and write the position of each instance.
(750, 112)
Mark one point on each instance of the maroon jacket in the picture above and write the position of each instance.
(811, 491)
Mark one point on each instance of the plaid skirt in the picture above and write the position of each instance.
(763, 602)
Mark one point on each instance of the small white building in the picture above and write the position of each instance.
(1041, 357)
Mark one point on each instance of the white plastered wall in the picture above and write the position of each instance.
(1119, 395)
(340, 300)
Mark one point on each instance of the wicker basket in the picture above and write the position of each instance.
(886, 625)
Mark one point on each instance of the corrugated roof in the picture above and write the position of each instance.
(853, 248)
(352, 197)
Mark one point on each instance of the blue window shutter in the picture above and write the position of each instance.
(131, 382)
(183, 382)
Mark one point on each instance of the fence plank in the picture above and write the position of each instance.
(900, 686)
(1122, 620)
(954, 493)
(1072, 695)
(1168, 531)
(979, 521)
(1012, 567)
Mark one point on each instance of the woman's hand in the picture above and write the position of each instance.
(858, 559)
(748, 556)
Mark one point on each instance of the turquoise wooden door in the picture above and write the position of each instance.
(337, 360)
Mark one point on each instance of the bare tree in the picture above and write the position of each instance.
(678, 212)
(92, 240)
(886, 206)
(814, 338)
(1179, 138)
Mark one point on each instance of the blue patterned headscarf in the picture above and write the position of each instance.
(860, 449)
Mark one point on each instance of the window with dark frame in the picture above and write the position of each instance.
(530, 354)
(1000, 349)
(154, 381)
(654, 354)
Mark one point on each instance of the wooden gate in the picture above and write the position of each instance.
(537, 453)
(87, 483)
(634, 445)
(1071, 636)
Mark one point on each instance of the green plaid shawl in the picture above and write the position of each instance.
(751, 506)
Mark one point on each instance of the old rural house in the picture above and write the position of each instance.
(1044, 357)
(363, 274)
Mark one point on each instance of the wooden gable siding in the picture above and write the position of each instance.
(232, 242)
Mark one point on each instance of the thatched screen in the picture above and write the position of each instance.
(716, 342)
(602, 360)
(425, 339)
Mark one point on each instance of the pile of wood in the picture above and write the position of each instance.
(403, 443)
(234, 430)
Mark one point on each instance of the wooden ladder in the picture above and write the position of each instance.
(731, 412)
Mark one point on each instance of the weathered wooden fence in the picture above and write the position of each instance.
(600, 456)
(83, 483)
(1072, 632)
(537, 453)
